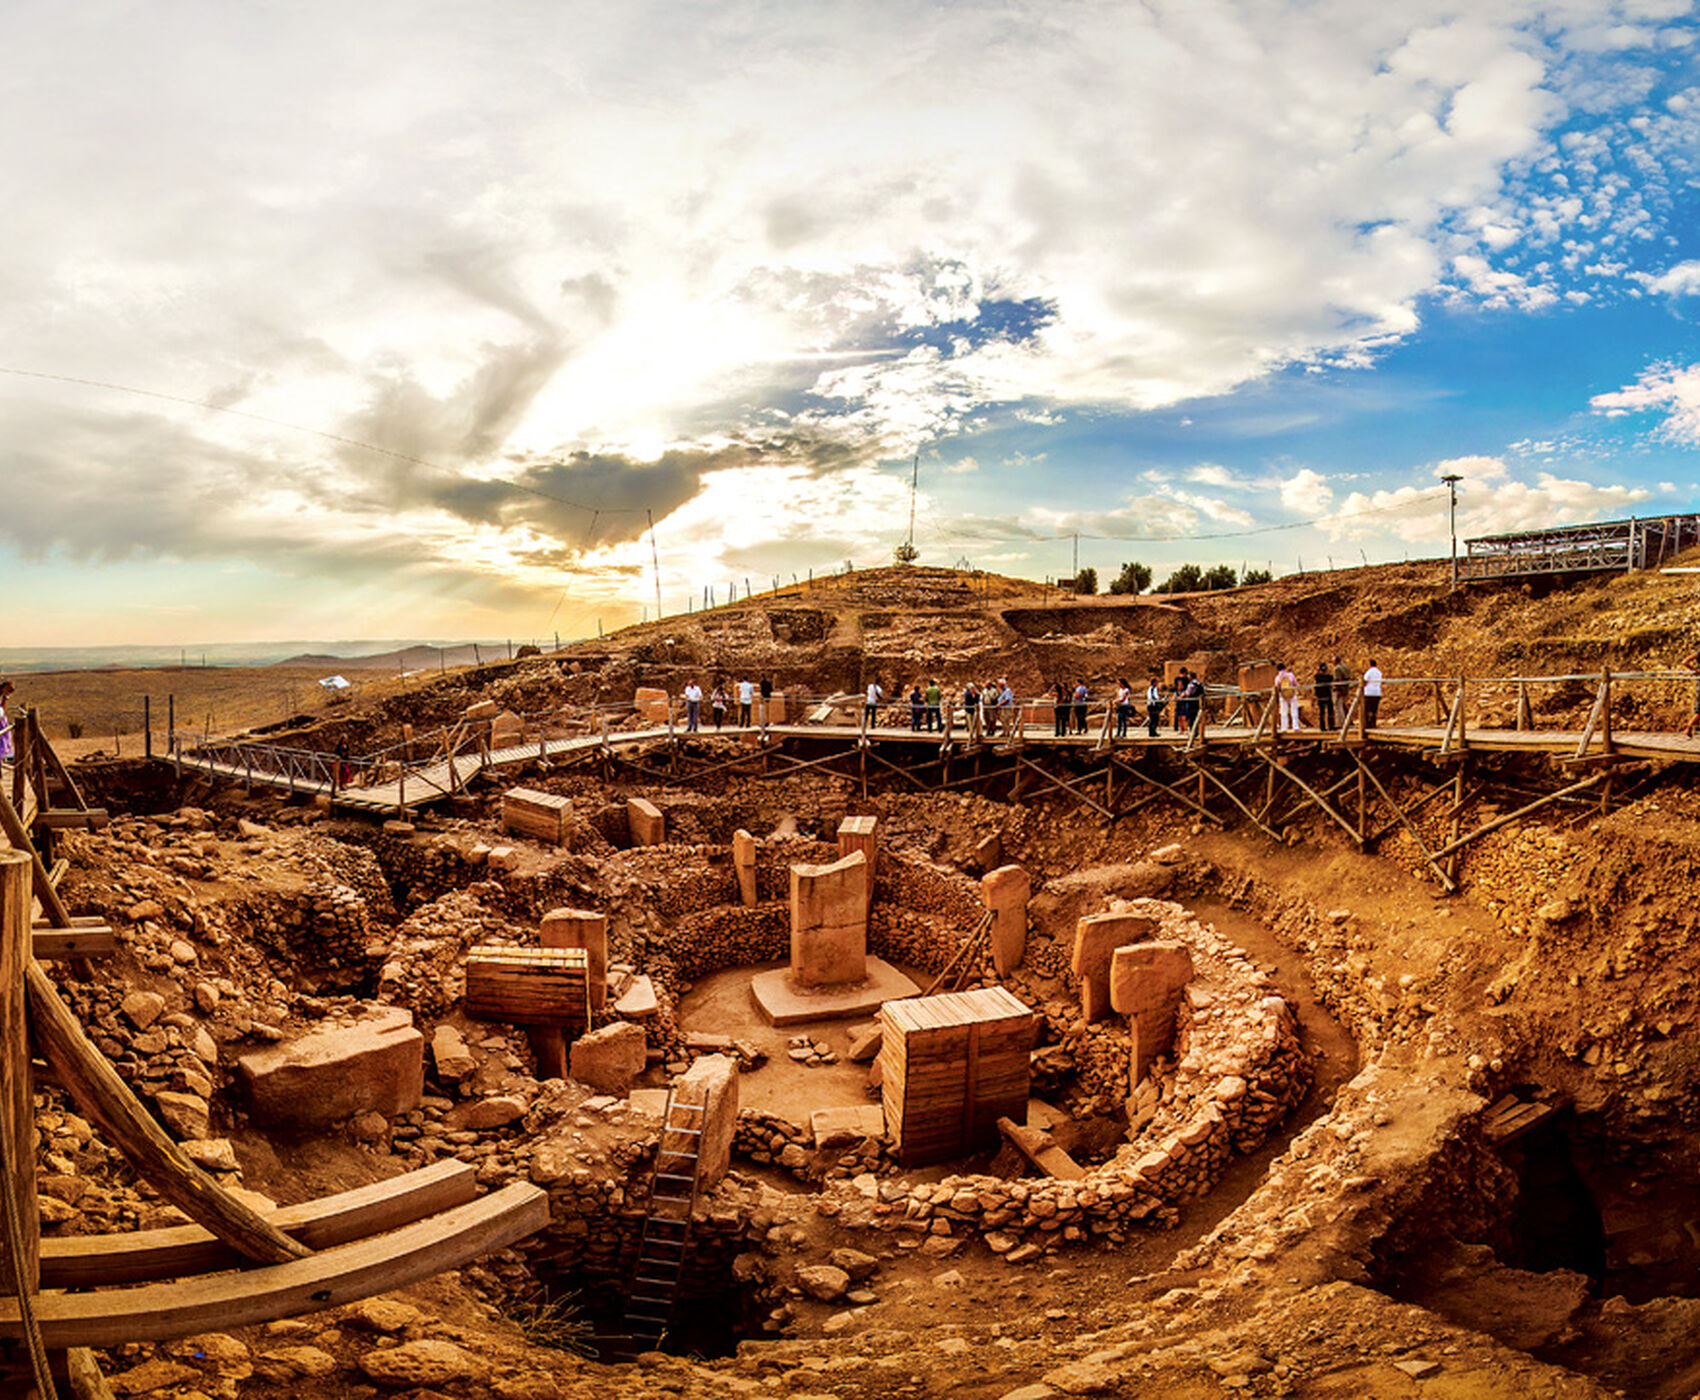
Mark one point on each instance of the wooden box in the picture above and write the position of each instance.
(528, 986)
(539, 815)
(951, 1066)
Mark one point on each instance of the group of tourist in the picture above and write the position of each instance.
(1330, 679)
(720, 702)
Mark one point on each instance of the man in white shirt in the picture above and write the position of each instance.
(746, 702)
(1372, 693)
(876, 697)
(693, 707)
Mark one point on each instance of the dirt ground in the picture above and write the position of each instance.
(1563, 975)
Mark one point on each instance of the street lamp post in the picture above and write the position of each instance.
(1452, 480)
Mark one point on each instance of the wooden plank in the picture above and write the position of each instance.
(67, 818)
(84, 939)
(107, 1101)
(141, 1256)
(17, 1103)
(160, 1311)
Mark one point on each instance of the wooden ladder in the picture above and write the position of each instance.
(667, 1228)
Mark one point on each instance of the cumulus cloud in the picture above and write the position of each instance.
(1671, 389)
(544, 269)
(1306, 492)
(1472, 469)
(1418, 515)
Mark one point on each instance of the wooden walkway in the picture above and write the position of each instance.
(435, 782)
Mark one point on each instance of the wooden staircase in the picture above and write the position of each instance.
(665, 1243)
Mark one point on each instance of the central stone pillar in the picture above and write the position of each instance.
(829, 922)
(831, 976)
(1096, 939)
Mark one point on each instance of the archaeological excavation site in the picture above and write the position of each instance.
(531, 1031)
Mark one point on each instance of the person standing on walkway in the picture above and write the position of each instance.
(7, 749)
(917, 707)
(1180, 701)
(1081, 696)
(717, 703)
(1124, 706)
(1153, 704)
(746, 702)
(1342, 685)
(1061, 699)
(876, 698)
(934, 697)
(1323, 680)
(970, 704)
(1372, 693)
(693, 706)
(766, 697)
(1194, 699)
(1006, 705)
(1287, 697)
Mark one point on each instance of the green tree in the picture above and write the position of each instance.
(1134, 578)
(1256, 576)
(1086, 581)
(1189, 578)
(1221, 576)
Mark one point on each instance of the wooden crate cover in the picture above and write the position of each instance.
(527, 986)
(539, 815)
(952, 1065)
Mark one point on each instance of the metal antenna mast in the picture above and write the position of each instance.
(906, 553)
(655, 554)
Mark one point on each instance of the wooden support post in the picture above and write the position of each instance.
(107, 1101)
(1525, 717)
(1364, 772)
(20, 1219)
(1486, 827)
(16, 1102)
(1439, 704)
(54, 907)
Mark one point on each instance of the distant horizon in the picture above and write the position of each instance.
(147, 656)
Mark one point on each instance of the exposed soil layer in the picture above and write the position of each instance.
(1385, 1239)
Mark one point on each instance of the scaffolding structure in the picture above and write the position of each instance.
(1607, 545)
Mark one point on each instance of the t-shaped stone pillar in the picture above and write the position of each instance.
(712, 1083)
(645, 822)
(1006, 891)
(861, 834)
(1146, 980)
(1096, 939)
(581, 928)
(744, 862)
(829, 922)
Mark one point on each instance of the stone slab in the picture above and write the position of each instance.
(1005, 892)
(712, 1082)
(1146, 981)
(744, 862)
(829, 921)
(609, 1060)
(1096, 939)
(843, 1127)
(651, 704)
(374, 1065)
(581, 928)
(784, 1003)
(638, 1002)
(645, 822)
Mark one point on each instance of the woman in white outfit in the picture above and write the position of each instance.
(1287, 693)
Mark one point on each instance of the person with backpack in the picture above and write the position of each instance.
(1154, 703)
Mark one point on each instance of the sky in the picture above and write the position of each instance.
(443, 320)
